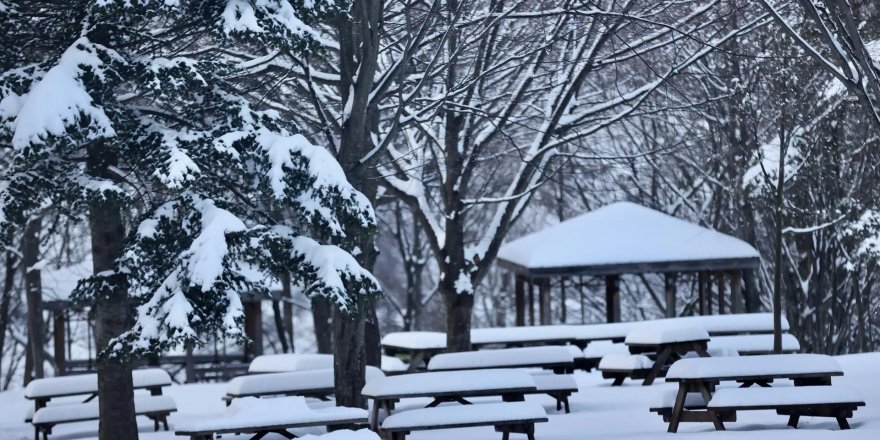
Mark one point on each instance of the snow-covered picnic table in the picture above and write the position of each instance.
(752, 344)
(261, 417)
(318, 384)
(557, 358)
(669, 341)
(702, 375)
(446, 386)
(277, 363)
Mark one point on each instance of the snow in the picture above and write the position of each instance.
(757, 396)
(276, 363)
(450, 415)
(745, 344)
(393, 364)
(599, 349)
(415, 340)
(428, 384)
(554, 382)
(622, 233)
(252, 412)
(88, 383)
(501, 358)
(736, 323)
(599, 411)
(60, 100)
(654, 334)
(89, 410)
(514, 335)
(344, 434)
(59, 282)
(753, 366)
(625, 362)
(289, 382)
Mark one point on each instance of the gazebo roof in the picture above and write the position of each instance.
(624, 237)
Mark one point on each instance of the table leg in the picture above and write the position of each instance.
(707, 396)
(662, 357)
(675, 417)
(415, 361)
(374, 416)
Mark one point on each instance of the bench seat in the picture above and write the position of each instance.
(820, 401)
(156, 408)
(620, 366)
(557, 386)
(506, 417)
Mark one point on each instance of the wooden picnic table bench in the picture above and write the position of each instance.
(446, 386)
(285, 362)
(702, 375)
(318, 384)
(506, 417)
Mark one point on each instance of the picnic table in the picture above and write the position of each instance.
(669, 343)
(558, 359)
(41, 391)
(285, 362)
(702, 375)
(446, 386)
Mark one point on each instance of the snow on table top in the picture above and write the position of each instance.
(752, 343)
(622, 233)
(501, 358)
(554, 382)
(447, 382)
(504, 335)
(251, 412)
(289, 382)
(656, 333)
(599, 349)
(89, 410)
(625, 362)
(464, 414)
(276, 363)
(344, 434)
(735, 323)
(732, 397)
(88, 383)
(778, 365)
(603, 331)
(415, 340)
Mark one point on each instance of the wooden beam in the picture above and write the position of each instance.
(737, 302)
(59, 322)
(670, 291)
(612, 298)
(721, 288)
(563, 308)
(531, 302)
(544, 298)
(701, 292)
(520, 293)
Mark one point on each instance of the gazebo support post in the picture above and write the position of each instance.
(520, 290)
(59, 341)
(702, 292)
(544, 300)
(721, 288)
(736, 296)
(669, 289)
(531, 302)
(612, 298)
(562, 307)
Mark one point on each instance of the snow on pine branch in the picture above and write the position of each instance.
(61, 100)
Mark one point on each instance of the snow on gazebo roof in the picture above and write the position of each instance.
(624, 237)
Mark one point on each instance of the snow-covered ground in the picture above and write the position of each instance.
(598, 411)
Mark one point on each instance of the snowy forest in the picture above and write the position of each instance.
(351, 168)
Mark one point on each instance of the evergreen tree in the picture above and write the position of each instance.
(133, 115)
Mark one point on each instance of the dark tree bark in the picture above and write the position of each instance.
(349, 356)
(111, 307)
(459, 308)
(6, 298)
(777, 246)
(279, 325)
(287, 295)
(322, 317)
(30, 255)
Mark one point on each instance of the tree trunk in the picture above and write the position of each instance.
(349, 356)
(279, 325)
(287, 295)
(6, 299)
(111, 308)
(777, 247)
(321, 315)
(459, 307)
(30, 251)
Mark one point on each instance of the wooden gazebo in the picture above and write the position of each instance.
(626, 238)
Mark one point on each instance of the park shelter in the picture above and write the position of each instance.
(627, 238)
